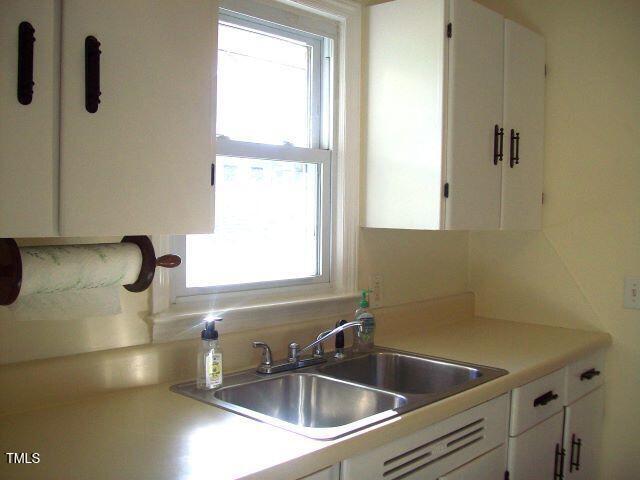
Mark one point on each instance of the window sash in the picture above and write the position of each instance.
(318, 136)
(284, 153)
(321, 124)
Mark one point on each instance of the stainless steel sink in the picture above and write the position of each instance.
(343, 395)
(399, 372)
(307, 403)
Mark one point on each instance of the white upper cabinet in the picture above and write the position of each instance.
(444, 79)
(141, 163)
(28, 121)
(475, 109)
(524, 55)
(405, 115)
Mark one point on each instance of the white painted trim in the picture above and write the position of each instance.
(185, 321)
(346, 178)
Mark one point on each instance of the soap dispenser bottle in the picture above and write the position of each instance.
(209, 358)
(363, 340)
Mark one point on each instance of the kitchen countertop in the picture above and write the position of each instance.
(153, 433)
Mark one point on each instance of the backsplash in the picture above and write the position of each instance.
(415, 266)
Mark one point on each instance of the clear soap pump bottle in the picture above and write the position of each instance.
(209, 358)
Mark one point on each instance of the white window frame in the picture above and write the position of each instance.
(179, 317)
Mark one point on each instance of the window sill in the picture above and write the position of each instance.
(184, 321)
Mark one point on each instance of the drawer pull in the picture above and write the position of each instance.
(589, 374)
(544, 399)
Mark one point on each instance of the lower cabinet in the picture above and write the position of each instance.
(489, 466)
(547, 429)
(582, 433)
(536, 453)
(440, 449)
(556, 424)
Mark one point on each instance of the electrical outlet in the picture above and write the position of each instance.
(632, 292)
(375, 289)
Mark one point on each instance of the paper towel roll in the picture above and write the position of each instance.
(56, 269)
(68, 282)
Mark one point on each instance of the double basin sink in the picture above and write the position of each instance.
(341, 396)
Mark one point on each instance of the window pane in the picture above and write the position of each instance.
(263, 87)
(266, 224)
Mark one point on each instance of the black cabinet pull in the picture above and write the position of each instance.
(514, 151)
(589, 374)
(544, 399)
(558, 466)
(577, 445)
(498, 143)
(92, 74)
(26, 40)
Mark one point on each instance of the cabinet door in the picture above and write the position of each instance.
(29, 130)
(521, 206)
(582, 433)
(490, 466)
(141, 163)
(474, 109)
(532, 454)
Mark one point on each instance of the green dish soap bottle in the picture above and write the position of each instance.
(363, 340)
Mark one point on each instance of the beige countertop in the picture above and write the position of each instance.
(153, 433)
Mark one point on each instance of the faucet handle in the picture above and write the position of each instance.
(267, 358)
(294, 351)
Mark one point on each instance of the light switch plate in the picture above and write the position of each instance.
(632, 292)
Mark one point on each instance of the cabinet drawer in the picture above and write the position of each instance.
(437, 449)
(584, 376)
(536, 401)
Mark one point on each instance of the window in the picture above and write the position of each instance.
(273, 174)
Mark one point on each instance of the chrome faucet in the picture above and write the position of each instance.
(293, 358)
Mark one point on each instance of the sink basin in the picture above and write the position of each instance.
(342, 395)
(313, 405)
(403, 373)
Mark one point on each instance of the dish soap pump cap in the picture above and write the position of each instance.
(364, 302)
(210, 332)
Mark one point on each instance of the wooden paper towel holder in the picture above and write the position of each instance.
(11, 267)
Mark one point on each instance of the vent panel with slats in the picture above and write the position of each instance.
(437, 449)
(403, 465)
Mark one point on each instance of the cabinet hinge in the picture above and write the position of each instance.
(449, 30)
(545, 69)
(446, 190)
(542, 197)
(213, 174)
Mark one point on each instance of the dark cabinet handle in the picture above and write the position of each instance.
(514, 151)
(26, 39)
(92, 74)
(498, 144)
(589, 374)
(577, 445)
(544, 399)
(558, 466)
